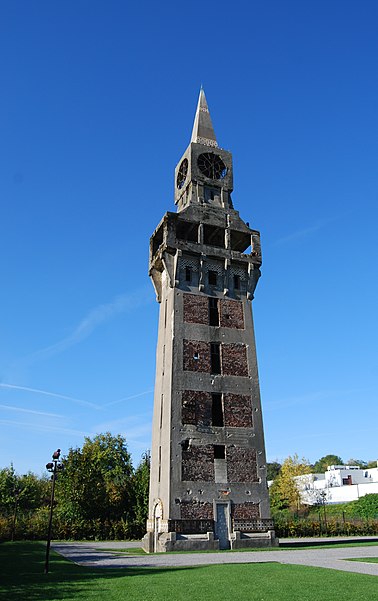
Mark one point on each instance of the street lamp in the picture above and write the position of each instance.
(53, 467)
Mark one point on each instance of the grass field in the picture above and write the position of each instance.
(22, 578)
(365, 559)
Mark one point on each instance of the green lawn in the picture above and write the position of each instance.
(22, 578)
(365, 559)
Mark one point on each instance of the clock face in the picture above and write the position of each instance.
(211, 165)
(182, 173)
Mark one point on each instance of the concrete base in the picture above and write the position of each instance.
(171, 541)
(245, 540)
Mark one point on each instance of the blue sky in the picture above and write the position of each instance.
(96, 109)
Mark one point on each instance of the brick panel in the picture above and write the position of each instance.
(198, 464)
(231, 314)
(195, 510)
(237, 411)
(196, 309)
(234, 360)
(196, 408)
(245, 511)
(191, 347)
(241, 465)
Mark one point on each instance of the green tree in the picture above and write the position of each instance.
(321, 465)
(272, 470)
(95, 482)
(284, 492)
(141, 483)
(27, 492)
(8, 484)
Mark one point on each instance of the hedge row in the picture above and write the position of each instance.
(34, 527)
(299, 528)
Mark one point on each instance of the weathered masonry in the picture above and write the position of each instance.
(208, 485)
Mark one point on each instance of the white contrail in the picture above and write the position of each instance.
(43, 427)
(127, 398)
(22, 410)
(48, 393)
(120, 304)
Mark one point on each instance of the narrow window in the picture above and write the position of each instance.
(161, 410)
(215, 357)
(188, 274)
(219, 451)
(159, 473)
(213, 311)
(212, 278)
(217, 410)
(236, 282)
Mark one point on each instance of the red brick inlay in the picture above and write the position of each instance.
(237, 411)
(241, 465)
(196, 309)
(196, 408)
(196, 356)
(231, 314)
(198, 463)
(234, 359)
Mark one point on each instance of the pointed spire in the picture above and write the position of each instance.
(203, 132)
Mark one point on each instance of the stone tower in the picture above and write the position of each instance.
(208, 486)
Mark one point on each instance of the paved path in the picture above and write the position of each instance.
(96, 555)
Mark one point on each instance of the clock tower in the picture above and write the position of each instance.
(208, 486)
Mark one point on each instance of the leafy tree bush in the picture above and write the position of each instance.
(272, 469)
(367, 506)
(98, 495)
(321, 465)
(284, 492)
(96, 482)
(141, 481)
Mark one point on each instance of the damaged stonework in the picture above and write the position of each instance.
(208, 486)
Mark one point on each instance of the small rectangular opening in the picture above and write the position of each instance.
(219, 451)
(188, 274)
(215, 357)
(161, 410)
(213, 311)
(213, 235)
(211, 193)
(240, 241)
(158, 238)
(212, 277)
(236, 282)
(217, 410)
(186, 230)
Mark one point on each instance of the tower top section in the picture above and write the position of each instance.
(203, 131)
(203, 176)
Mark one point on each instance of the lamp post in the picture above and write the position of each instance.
(323, 496)
(53, 468)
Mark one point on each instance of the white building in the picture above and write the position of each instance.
(339, 484)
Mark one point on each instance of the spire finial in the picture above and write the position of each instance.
(203, 131)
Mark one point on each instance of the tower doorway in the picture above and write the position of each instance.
(222, 525)
(157, 520)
